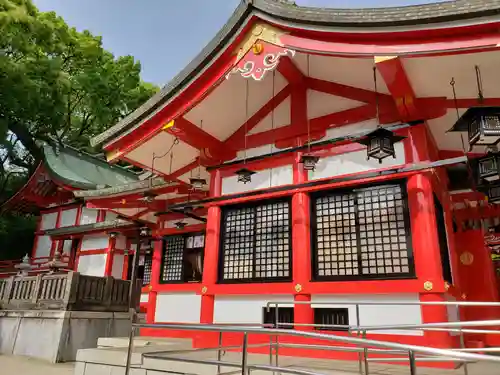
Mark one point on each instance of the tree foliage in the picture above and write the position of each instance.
(56, 83)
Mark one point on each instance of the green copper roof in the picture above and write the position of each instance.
(81, 170)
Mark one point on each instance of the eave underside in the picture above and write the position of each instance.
(386, 19)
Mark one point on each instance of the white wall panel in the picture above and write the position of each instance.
(88, 216)
(178, 308)
(92, 265)
(43, 245)
(93, 242)
(117, 269)
(377, 315)
(48, 221)
(144, 297)
(121, 242)
(110, 216)
(260, 180)
(68, 217)
(354, 162)
(244, 309)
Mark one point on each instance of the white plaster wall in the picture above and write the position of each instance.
(144, 297)
(178, 308)
(110, 216)
(121, 242)
(92, 265)
(88, 216)
(354, 162)
(453, 313)
(261, 180)
(93, 242)
(68, 217)
(48, 221)
(377, 315)
(67, 246)
(117, 269)
(43, 245)
(245, 308)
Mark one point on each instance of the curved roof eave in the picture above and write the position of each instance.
(283, 11)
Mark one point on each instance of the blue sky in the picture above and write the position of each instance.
(165, 34)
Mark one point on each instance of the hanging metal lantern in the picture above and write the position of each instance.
(493, 193)
(488, 166)
(197, 183)
(180, 225)
(482, 125)
(309, 162)
(380, 144)
(244, 175)
(149, 196)
(145, 232)
(113, 234)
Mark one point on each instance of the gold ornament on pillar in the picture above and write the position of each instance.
(466, 258)
(150, 288)
(204, 290)
(428, 286)
(446, 286)
(298, 288)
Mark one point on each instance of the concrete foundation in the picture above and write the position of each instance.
(56, 336)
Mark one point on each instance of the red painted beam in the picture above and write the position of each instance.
(290, 71)
(252, 122)
(392, 71)
(348, 92)
(472, 102)
(193, 135)
(318, 124)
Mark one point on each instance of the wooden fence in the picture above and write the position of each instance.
(70, 291)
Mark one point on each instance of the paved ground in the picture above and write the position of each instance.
(28, 366)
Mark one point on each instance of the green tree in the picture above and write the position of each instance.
(56, 83)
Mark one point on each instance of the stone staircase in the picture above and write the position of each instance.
(158, 356)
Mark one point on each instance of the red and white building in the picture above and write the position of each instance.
(280, 82)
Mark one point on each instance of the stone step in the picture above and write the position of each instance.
(140, 341)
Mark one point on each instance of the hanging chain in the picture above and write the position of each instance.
(452, 84)
(246, 119)
(307, 116)
(377, 115)
(479, 82)
(171, 162)
(199, 157)
(272, 130)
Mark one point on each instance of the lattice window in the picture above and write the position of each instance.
(182, 258)
(172, 260)
(362, 233)
(331, 319)
(148, 262)
(256, 243)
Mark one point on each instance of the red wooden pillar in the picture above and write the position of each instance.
(155, 280)
(211, 256)
(426, 253)
(478, 281)
(301, 249)
(110, 254)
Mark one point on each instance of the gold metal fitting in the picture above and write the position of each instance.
(298, 288)
(204, 289)
(428, 285)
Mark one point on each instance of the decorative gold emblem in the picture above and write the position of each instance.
(257, 48)
(464, 296)
(262, 32)
(298, 288)
(150, 288)
(466, 258)
(204, 289)
(446, 286)
(124, 201)
(428, 285)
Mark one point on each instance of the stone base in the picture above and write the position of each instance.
(56, 336)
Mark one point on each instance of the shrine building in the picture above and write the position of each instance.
(308, 157)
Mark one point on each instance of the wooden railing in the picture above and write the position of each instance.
(71, 291)
(8, 267)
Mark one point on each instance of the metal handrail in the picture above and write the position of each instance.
(462, 354)
(329, 337)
